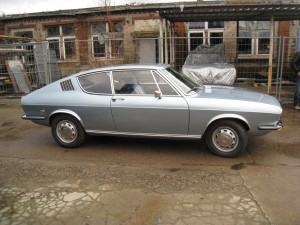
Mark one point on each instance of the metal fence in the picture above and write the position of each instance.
(25, 67)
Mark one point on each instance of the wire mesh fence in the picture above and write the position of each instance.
(25, 67)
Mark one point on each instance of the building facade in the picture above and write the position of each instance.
(87, 38)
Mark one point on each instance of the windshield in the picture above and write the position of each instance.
(187, 85)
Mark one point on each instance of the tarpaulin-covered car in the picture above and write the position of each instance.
(151, 101)
(208, 65)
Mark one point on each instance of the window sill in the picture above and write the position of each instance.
(249, 56)
(107, 59)
(60, 61)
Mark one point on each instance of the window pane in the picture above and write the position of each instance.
(244, 45)
(146, 81)
(68, 30)
(196, 25)
(263, 45)
(243, 25)
(99, 28)
(117, 48)
(70, 51)
(216, 24)
(53, 31)
(164, 87)
(134, 82)
(216, 38)
(24, 34)
(54, 46)
(98, 47)
(116, 26)
(263, 25)
(195, 40)
(98, 83)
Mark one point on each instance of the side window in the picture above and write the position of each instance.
(164, 87)
(98, 83)
(140, 82)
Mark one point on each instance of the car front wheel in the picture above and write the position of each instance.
(226, 138)
(67, 131)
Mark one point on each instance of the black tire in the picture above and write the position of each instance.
(226, 138)
(67, 131)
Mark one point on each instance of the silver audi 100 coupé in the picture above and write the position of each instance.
(151, 101)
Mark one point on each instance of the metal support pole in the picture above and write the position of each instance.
(161, 44)
(166, 42)
(278, 66)
(171, 43)
(281, 67)
(271, 54)
(45, 45)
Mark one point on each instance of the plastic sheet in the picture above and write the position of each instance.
(208, 65)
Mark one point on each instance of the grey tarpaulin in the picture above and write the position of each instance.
(207, 65)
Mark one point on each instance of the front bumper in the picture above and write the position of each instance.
(276, 126)
(25, 117)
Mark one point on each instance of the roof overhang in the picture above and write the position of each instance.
(189, 12)
(185, 11)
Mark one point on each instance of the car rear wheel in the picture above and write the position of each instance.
(226, 138)
(67, 131)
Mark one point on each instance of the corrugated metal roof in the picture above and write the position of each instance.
(232, 12)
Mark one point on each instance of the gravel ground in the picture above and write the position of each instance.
(114, 180)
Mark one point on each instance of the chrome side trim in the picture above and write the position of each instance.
(115, 133)
(25, 117)
(276, 126)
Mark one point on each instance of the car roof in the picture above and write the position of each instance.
(126, 67)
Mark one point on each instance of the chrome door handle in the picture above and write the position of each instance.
(117, 99)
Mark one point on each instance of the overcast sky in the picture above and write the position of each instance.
(28, 6)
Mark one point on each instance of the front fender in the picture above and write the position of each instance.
(228, 116)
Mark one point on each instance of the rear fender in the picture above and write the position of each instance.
(64, 112)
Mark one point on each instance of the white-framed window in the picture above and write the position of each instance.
(107, 40)
(195, 38)
(25, 33)
(254, 38)
(27, 57)
(62, 41)
(205, 33)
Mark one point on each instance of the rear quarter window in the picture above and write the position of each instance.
(96, 83)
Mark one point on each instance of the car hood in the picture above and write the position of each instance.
(235, 93)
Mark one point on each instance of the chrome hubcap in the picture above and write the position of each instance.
(225, 139)
(66, 131)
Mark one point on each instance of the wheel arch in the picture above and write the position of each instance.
(64, 112)
(232, 117)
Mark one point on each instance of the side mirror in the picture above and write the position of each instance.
(157, 94)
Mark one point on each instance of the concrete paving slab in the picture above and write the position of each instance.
(277, 190)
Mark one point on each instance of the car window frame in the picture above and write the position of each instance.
(153, 77)
(92, 73)
(166, 73)
(169, 83)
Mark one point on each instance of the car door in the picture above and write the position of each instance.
(95, 102)
(136, 110)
